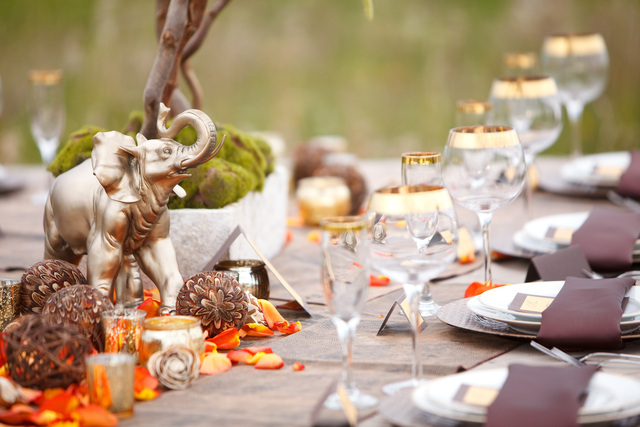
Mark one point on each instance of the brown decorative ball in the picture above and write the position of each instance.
(43, 279)
(79, 305)
(216, 298)
(354, 179)
(307, 158)
(40, 354)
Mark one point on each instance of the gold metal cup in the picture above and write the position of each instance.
(9, 301)
(252, 275)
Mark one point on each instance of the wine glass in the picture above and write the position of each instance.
(483, 169)
(47, 114)
(470, 112)
(414, 236)
(579, 64)
(345, 280)
(531, 105)
(519, 64)
(423, 167)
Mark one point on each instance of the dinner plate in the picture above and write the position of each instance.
(530, 327)
(600, 170)
(500, 298)
(609, 396)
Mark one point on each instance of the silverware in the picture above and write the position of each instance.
(555, 352)
(625, 202)
(594, 275)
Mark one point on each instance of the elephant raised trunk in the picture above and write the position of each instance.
(205, 147)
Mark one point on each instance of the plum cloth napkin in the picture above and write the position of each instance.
(629, 185)
(607, 238)
(535, 396)
(585, 314)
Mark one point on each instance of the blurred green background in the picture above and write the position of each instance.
(314, 67)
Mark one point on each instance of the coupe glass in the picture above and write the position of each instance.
(414, 236)
(423, 167)
(471, 112)
(484, 169)
(345, 280)
(532, 106)
(47, 114)
(579, 64)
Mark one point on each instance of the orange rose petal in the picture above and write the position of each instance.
(144, 380)
(62, 403)
(476, 288)
(270, 361)
(226, 340)
(256, 330)
(288, 237)
(378, 280)
(146, 394)
(288, 328)
(298, 366)
(270, 313)
(314, 236)
(237, 356)
(30, 395)
(295, 221)
(96, 416)
(18, 414)
(150, 306)
(210, 347)
(214, 363)
(254, 350)
(152, 293)
(45, 417)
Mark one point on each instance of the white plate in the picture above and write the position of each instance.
(530, 327)
(537, 229)
(583, 169)
(500, 298)
(610, 396)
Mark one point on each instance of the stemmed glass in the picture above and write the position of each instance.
(345, 280)
(579, 65)
(519, 64)
(532, 106)
(423, 167)
(414, 236)
(483, 169)
(47, 114)
(471, 112)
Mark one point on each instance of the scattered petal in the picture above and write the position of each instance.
(476, 288)
(18, 414)
(238, 356)
(226, 340)
(210, 347)
(152, 293)
(151, 307)
(43, 417)
(270, 361)
(254, 350)
(62, 403)
(314, 236)
(271, 314)
(255, 330)
(214, 363)
(379, 280)
(288, 328)
(96, 416)
(145, 386)
(298, 366)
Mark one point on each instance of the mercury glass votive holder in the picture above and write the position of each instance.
(123, 330)
(160, 333)
(321, 197)
(252, 275)
(110, 378)
(9, 301)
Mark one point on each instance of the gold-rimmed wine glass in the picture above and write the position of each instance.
(471, 112)
(345, 280)
(531, 105)
(423, 167)
(579, 63)
(520, 64)
(483, 169)
(414, 236)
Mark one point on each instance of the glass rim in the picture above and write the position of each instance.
(403, 199)
(123, 312)
(343, 223)
(520, 59)
(539, 86)
(421, 157)
(238, 264)
(45, 77)
(482, 137)
(562, 45)
(474, 106)
(168, 323)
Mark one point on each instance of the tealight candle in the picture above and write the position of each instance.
(122, 330)
(110, 379)
(162, 332)
(321, 197)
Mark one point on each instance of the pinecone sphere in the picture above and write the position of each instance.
(216, 298)
(79, 305)
(45, 278)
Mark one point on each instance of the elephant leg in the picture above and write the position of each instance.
(158, 261)
(54, 245)
(104, 260)
(127, 287)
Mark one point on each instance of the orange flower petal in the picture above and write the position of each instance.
(62, 403)
(150, 306)
(96, 416)
(271, 314)
(152, 293)
(288, 328)
(237, 356)
(146, 394)
(298, 366)
(210, 347)
(214, 363)
(18, 414)
(254, 350)
(378, 280)
(226, 340)
(144, 380)
(44, 417)
(270, 361)
(256, 330)
(314, 236)
(476, 288)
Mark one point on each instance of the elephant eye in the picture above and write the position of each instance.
(166, 150)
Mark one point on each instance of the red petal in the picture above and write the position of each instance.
(210, 347)
(298, 366)
(271, 314)
(96, 416)
(144, 380)
(476, 288)
(18, 414)
(226, 340)
(287, 328)
(62, 403)
(254, 350)
(151, 306)
(214, 363)
(270, 361)
(237, 356)
(378, 280)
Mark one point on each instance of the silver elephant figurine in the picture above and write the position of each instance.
(113, 208)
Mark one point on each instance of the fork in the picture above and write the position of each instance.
(594, 275)
(625, 202)
(613, 357)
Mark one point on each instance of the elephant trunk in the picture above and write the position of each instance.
(206, 145)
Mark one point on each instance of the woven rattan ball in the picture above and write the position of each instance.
(216, 298)
(43, 279)
(79, 305)
(40, 354)
(354, 179)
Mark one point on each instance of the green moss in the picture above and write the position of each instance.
(135, 124)
(75, 151)
(224, 183)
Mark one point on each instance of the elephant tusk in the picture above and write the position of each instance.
(179, 191)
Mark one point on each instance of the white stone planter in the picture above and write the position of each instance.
(198, 234)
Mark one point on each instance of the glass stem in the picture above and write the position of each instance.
(413, 292)
(346, 334)
(574, 112)
(485, 222)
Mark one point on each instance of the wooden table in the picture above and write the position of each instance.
(245, 396)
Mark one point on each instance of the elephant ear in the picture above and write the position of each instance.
(116, 166)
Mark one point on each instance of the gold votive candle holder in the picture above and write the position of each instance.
(160, 333)
(321, 197)
(110, 378)
(123, 330)
(9, 301)
(252, 275)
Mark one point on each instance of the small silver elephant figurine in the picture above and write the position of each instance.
(113, 208)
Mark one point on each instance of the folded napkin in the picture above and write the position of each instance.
(629, 185)
(586, 313)
(607, 238)
(535, 396)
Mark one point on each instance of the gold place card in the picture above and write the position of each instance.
(526, 303)
(559, 234)
(475, 395)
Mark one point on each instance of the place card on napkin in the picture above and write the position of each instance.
(475, 395)
(585, 314)
(526, 303)
(558, 265)
(405, 307)
(629, 184)
(534, 396)
(607, 238)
